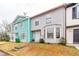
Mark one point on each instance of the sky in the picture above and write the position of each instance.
(9, 9)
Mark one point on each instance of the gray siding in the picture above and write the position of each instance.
(57, 17)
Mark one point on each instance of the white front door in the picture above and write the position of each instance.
(36, 36)
(52, 34)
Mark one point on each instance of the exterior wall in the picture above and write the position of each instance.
(70, 36)
(29, 30)
(69, 20)
(23, 26)
(12, 37)
(57, 17)
(11, 34)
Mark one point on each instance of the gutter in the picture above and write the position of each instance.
(65, 22)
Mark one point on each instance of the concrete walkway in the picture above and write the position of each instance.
(3, 54)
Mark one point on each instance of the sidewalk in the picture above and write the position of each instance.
(2, 53)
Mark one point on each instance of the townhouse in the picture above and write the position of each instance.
(21, 29)
(53, 26)
(49, 25)
(72, 24)
(57, 23)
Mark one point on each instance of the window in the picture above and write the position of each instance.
(15, 28)
(76, 36)
(75, 12)
(48, 20)
(57, 32)
(23, 35)
(36, 23)
(16, 34)
(50, 33)
(12, 37)
(20, 25)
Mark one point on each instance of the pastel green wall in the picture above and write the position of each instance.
(25, 28)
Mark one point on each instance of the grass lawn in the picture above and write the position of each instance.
(35, 49)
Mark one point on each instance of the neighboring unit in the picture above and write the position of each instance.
(72, 24)
(21, 29)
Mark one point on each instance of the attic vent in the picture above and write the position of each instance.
(48, 20)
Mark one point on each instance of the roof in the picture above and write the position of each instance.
(70, 4)
(18, 16)
(53, 9)
(72, 26)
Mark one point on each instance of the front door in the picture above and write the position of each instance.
(36, 36)
(76, 36)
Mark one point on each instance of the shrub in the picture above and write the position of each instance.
(7, 40)
(63, 41)
(4, 37)
(33, 40)
(17, 40)
(42, 41)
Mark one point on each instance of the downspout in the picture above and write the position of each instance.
(65, 25)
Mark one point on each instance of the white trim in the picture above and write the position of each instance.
(54, 39)
(75, 5)
(28, 28)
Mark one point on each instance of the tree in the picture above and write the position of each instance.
(6, 29)
(6, 26)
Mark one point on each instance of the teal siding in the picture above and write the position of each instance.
(29, 32)
(23, 27)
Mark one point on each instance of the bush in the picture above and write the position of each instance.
(33, 40)
(4, 37)
(7, 40)
(63, 41)
(42, 41)
(17, 40)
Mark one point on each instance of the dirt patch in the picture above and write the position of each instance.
(35, 49)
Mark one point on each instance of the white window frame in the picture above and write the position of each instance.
(36, 23)
(76, 15)
(57, 33)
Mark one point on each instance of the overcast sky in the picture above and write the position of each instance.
(9, 9)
